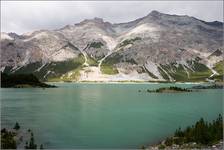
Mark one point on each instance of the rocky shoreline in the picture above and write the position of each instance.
(18, 138)
(192, 145)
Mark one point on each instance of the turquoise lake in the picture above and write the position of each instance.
(82, 115)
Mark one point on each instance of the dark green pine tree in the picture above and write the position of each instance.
(41, 146)
(17, 126)
(32, 144)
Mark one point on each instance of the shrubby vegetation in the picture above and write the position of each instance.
(50, 71)
(169, 89)
(31, 144)
(96, 44)
(219, 67)
(60, 68)
(213, 86)
(178, 71)
(218, 78)
(201, 72)
(109, 69)
(91, 61)
(108, 65)
(113, 59)
(17, 126)
(173, 89)
(21, 80)
(8, 138)
(129, 41)
(202, 133)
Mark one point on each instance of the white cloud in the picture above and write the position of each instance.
(25, 16)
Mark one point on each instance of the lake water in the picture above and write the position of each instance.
(105, 115)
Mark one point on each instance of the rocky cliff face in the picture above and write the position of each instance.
(157, 47)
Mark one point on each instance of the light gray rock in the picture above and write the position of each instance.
(156, 38)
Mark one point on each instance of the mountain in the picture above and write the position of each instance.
(157, 47)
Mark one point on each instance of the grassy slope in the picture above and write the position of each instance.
(201, 72)
(57, 68)
(73, 65)
(96, 44)
(74, 74)
(219, 67)
(177, 72)
(107, 67)
(129, 41)
(91, 61)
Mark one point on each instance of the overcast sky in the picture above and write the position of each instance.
(24, 16)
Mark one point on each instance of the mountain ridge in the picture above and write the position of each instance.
(156, 47)
(215, 22)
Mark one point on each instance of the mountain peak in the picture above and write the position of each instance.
(155, 13)
(98, 19)
(95, 20)
(141, 50)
